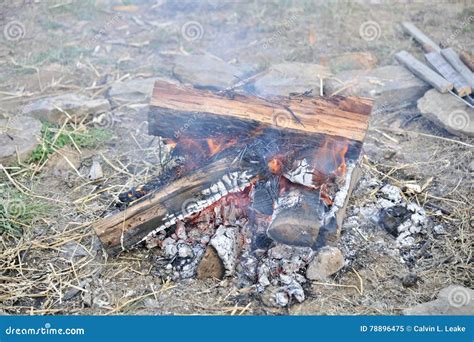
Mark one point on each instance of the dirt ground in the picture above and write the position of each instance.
(87, 46)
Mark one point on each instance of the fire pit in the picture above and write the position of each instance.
(258, 188)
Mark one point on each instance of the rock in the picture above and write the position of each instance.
(410, 280)
(448, 112)
(283, 79)
(76, 106)
(225, 243)
(328, 261)
(392, 87)
(203, 71)
(96, 170)
(18, 137)
(136, 90)
(452, 300)
(211, 265)
(349, 61)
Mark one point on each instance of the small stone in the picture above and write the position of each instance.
(18, 137)
(287, 78)
(410, 280)
(95, 171)
(211, 265)
(447, 112)
(54, 109)
(328, 261)
(203, 71)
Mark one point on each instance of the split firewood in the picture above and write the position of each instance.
(424, 72)
(452, 57)
(180, 199)
(437, 61)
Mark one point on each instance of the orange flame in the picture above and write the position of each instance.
(217, 145)
(275, 165)
(329, 160)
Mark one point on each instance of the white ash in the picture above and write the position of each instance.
(416, 224)
(341, 195)
(302, 173)
(225, 243)
(280, 273)
(392, 193)
(361, 229)
(232, 182)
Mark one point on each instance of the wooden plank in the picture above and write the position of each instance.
(177, 110)
(452, 57)
(437, 61)
(426, 43)
(423, 72)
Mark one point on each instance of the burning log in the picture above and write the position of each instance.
(291, 158)
(182, 112)
(178, 200)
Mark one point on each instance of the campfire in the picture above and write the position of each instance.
(254, 181)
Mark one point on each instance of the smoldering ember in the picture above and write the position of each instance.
(236, 158)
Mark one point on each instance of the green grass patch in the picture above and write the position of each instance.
(52, 138)
(18, 212)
